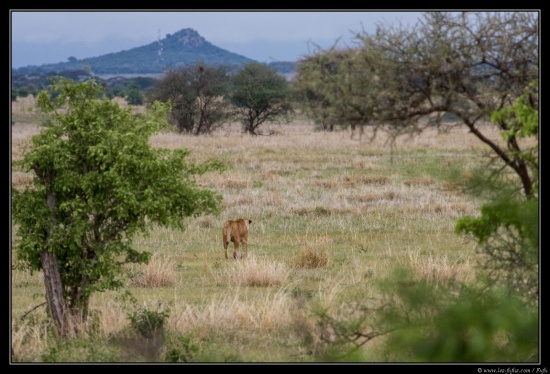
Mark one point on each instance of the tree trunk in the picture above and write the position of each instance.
(523, 173)
(54, 292)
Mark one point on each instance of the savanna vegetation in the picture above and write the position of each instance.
(417, 242)
(333, 219)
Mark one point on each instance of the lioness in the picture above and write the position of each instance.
(237, 232)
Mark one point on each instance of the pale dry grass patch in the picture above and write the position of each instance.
(23, 132)
(264, 314)
(109, 317)
(439, 269)
(29, 340)
(418, 199)
(252, 271)
(23, 105)
(312, 257)
(159, 272)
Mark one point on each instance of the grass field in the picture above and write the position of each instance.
(331, 218)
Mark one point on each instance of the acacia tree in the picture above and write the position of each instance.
(324, 78)
(314, 85)
(260, 95)
(463, 66)
(196, 95)
(97, 183)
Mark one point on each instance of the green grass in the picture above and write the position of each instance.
(365, 210)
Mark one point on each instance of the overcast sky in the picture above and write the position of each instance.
(41, 37)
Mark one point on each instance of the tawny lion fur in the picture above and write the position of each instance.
(237, 232)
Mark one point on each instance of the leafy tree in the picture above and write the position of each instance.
(196, 95)
(463, 65)
(314, 85)
(260, 95)
(323, 79)
(134, 95)
(97, 183)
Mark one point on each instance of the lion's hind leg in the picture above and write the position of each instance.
(235, 247)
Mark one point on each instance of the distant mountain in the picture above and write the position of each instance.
(182, 48)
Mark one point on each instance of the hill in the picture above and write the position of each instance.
(182, 48)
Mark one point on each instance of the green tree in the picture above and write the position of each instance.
(323, 79)
(134, 95)
(97, 183)
(260, 95)
(196, 95)
(459, 65)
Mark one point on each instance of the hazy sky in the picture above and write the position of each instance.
(41, 37)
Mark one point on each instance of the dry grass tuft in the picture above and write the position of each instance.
(253, 272)
(439, 270)
(229, 314)
(159, 272)
(312, 257)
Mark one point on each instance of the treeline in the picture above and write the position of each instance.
(133, 89)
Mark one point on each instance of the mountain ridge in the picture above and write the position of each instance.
(182, 48)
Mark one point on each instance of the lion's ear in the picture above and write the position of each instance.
(249, 221)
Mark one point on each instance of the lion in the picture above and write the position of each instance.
(237, 232)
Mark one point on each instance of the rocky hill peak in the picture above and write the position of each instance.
(186, 38)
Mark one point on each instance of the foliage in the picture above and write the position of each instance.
(458, 324)
(187, 348)
(459, 64)
(261, 95)
(147, 322)
(80, 350)
(520, 120)
(134, 96)
(196, 95)
(97, 184)
(133, 88)
(334, 88)
(508, 234)
(507, 231)
(426, 323)
(182, 348)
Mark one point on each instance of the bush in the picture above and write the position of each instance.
(149, 323)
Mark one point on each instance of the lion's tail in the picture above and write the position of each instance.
(228, 235)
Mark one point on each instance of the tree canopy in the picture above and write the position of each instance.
(260, 95)
(196, 95)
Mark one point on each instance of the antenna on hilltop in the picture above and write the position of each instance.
(159, 46)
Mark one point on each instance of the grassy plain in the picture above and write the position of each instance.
(331, 218)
